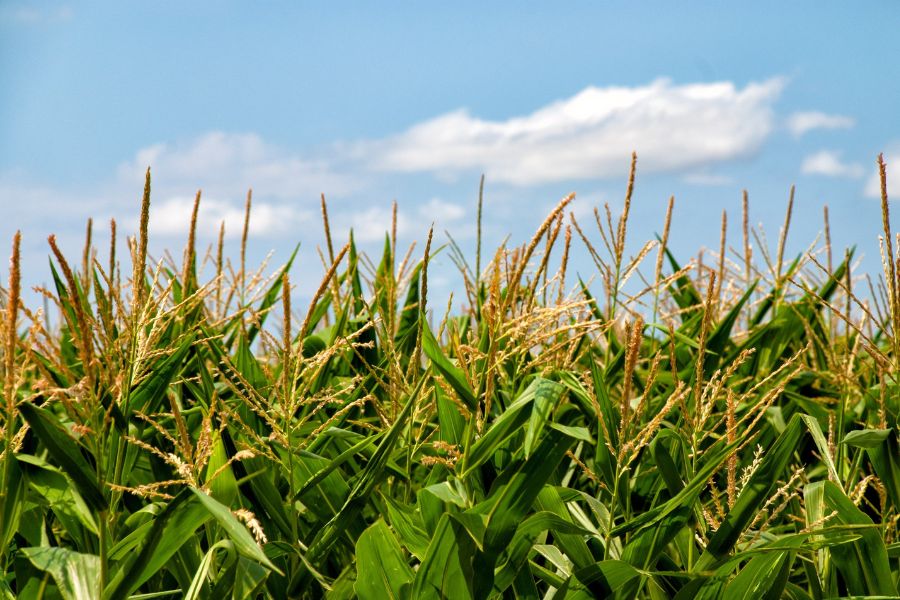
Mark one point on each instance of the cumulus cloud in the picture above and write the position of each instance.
(800, 123)
(829, 163)
(172, 217)
(222, 162)
(873, 183)
(286, 186)
(590, 135)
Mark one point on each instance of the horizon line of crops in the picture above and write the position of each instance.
(698, 430)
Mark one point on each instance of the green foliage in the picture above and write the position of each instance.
(176, 440)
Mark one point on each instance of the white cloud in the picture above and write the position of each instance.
(370, 224)
(286, 189)
(800, 123)
(172, 217)
(873, 183)
(590, 135)
(441, 211)
(829, 163)
(286, 186)
(29, 14)
(226, 163)
(27, 203)
(583, 204)
(707, 179)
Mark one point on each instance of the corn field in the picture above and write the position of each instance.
(718, 428)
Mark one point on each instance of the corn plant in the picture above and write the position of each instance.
(657, 430)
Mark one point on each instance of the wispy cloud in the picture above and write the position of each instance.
(27, 203)
(223, 163)
(35, 14)
(800, 123)
(707, 179)
(590, 135)
(829, 163)
(370, 224)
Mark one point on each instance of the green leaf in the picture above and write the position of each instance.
(323, 472)
(366, 482)
(866, 438)
(508, 504)
(546, 396)
(407, 523)
(65, 451)
(721, 335)
(666, 449)
(249, 577)
(754, 494)
(604, 459)
(408, 327)
(152, 389)
(510, 500)
(342, 587)
(77, 576)
(886, 462)
(381, 568)
(766, 575)
(53, 486)
(863, 564)
(158, 541)
(683, 292)
(448, 570)
(273, 294)
(197, 584)
(452, 423)
(822, 444)
(515, 558)
(13, 501)
(572, 544)
(760, 578)
(453, 374)
(450, 491)
(511, 420)
(224, 487)
(257, 487)
(237, 532)
(610, 578)
(715, 456)
(644, 547)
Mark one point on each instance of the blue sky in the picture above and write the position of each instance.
(399, 100)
